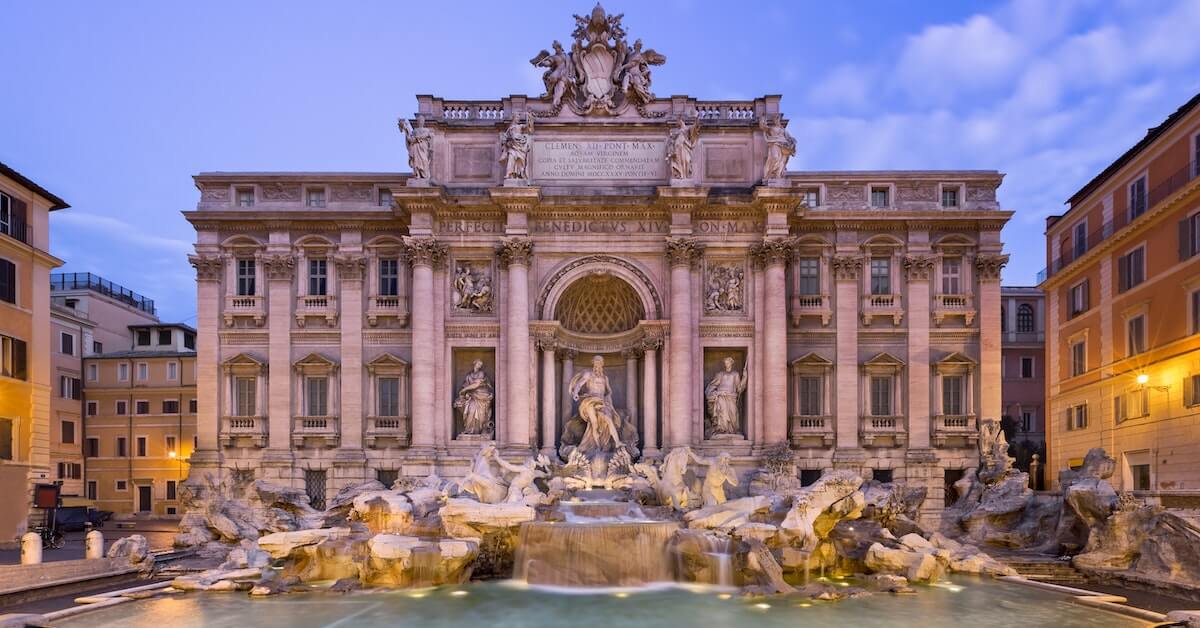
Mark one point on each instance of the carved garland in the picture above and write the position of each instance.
(596, 259)
(279, 266)
(350, 267)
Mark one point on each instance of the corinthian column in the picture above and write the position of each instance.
(547, 345)
(775, 254)
(650, 346)
(515, 253)
(425, 254)
(918, 269)
(682, 253)
(987, 268)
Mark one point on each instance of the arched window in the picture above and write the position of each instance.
(1025, 318)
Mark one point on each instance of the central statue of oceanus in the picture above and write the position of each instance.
(598, 432)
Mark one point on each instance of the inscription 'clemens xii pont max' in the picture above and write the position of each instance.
(594, 159)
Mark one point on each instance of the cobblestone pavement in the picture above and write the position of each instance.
(160, 533)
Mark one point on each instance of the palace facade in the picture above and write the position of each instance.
(370, 325)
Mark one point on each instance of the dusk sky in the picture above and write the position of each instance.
(115, 105)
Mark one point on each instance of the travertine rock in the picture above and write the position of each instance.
(246, 554)
(135, 548)
(727, 515)
(383, 511)
(469, 519)
(916, 566)
(281, 544)
(818, 507)
(232, 510)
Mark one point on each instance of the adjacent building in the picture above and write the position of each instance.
(1123, 313)
(363, 325)
(25, 345)
(1022, 320)
(140, 406)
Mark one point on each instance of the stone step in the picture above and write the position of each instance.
(1048, 570)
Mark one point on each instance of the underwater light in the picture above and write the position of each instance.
(762, 606)
(458, 593)
(724, 596)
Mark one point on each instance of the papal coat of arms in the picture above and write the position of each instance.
(601, 74)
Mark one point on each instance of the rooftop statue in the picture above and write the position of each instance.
(515, 143)
(780, 148)
(420, 146)
(680, 146)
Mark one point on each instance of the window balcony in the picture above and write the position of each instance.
(948, 428)
(320, 431)
(946, 305)
(242, 431)
(812, 431)
(388, 431)
(387, 307)
(882, 431)
(316, 306)
(245, 306)
(882, 305)
(811, 305)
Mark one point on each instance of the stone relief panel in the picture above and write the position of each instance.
(351, 192)
(474, 393)
(725, 288)
(726, 163)
(726, 375)
(280, 192)
(471, 288)
(472, 161)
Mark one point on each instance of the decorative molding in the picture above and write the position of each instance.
(599, 260)
(208, 267)
(989, 265)
(350, 267)
(426, 252)
(215, 193)
(725, 330)
(919, 267)
(279, 266)
(653, 339)
(279, 191)
(472, 331)
(350, 192)
(683, 251)
(772, 251)
(515, 251)
(846, 267)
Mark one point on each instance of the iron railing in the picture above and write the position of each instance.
(96, 283)
(16, 229)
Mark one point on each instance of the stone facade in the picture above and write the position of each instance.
(1024, 371)
(863, 306)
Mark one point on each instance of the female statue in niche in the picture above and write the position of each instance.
(475, 401)
(681, 144)
(723, 394)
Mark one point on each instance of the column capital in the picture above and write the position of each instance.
(919, 267)
(515, 251)
(652, 340)
(546, 341)
(279, 266)
(208, 267)
(989, 265)
(566, 354)
(350, 267)
(846, 267)
(683, 251)
(631, 353)
(426, 252)
(771, 252)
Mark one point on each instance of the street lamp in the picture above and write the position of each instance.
(1142, 378)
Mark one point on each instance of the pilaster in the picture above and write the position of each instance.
(425, 253)
(682, 254)
(774, 255)
(209, 270)
(988, 268)
(847, 270)
(280, 269)
(351, 267)
(918, 270)
(516, 254)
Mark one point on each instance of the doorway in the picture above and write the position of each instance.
(144, 498)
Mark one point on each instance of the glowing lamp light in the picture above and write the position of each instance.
(171, 454)
(458, 593)
(1142, 378)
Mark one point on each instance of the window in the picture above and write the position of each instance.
(812, 198)
(1140, 476)
(171, 490)
(69, 387)
(141, 407)
(245, 277)
(245, 197)
(1026, 421)
(244, 396)
(952, 394)
(164, 337)
(316, 197)
(809, 269)
(97, 347)
(170, 406)
(92, 490)
(6, 213)
(68, 433)
(1131, 269)
(389, 396)
(122, 448)
(1081, 240)
(122, 407)
(1003, 319)
(172, 444)
(93, 371)
(143, 371)
(1189, 236)
(66, 343)
(189, 340)
(881, 396)
(387, 477)
(1027, 367)
(1025, 318)
(1080, 298)
(1078, 358)
(810, 396)
(951, 275)
(70, 471)
(191, 406)
(93, 408)
(385, 198)
(1196, 311)
(1135, 338)
(1077, 417)
(879, 197)
(1191, 391)
(8, 281)
(141, 446)
(389, 277)
(881, 275)
(314, 487)
(317, 277)
(1137, 198)
(12, 358)
(143, 337)
(881, 475)
(6, 439)
(123, 372)
(950, 198)
(122, 485)
(91, 447)
(317, 396)
(172, 371)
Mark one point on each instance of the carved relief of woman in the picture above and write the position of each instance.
(475, 401)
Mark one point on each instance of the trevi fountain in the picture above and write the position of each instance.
(622, 515)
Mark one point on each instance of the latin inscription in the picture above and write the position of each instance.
(599, 226)
(587, 160)
(469, 226)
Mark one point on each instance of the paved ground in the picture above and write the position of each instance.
(160, 533)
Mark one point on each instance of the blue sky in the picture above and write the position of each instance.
(114, 105)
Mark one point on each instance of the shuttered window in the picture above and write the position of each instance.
(8, 281)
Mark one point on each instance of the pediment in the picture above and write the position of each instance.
(957, 358)
(884, 359)
(387, 361)
(812, 359)
(315, 359)
(244, 359)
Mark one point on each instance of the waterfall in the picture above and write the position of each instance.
(594, 553)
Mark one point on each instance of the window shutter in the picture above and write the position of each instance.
(1087, 294)
(8, 281)
(18, 210)
(1070, 424)
(19, 357)
(1185, 240)
(1187, 392)
(1123, 264)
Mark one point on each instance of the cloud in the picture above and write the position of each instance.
(89, 225)
(944, 59)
